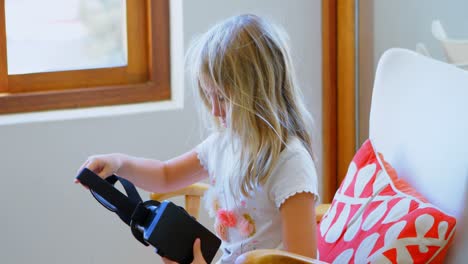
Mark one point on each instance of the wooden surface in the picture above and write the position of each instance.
(346, 129)
(320, 211)
(57, 81)
(338, 74)
(192, 205)
(159, 33)
(329, 71)
(3, 51)
(77, 98)
(197, 189)
(192, 193)
(273, 256)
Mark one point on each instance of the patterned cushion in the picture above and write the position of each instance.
(377, 218)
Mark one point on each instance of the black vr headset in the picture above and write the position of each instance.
(164, 225)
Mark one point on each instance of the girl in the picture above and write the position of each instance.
(259, 156)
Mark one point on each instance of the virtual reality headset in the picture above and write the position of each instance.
(163, 225)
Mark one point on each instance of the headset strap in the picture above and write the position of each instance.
(130, 208)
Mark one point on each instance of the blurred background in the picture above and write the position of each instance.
(48, 219)
(45, 217)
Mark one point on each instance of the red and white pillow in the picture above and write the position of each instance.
(377, 218)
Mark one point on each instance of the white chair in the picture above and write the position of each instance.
(419, 120)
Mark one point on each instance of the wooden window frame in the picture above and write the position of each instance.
(145, 78)
(339, 97)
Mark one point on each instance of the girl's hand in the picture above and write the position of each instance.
(103, 165)
(197, 255)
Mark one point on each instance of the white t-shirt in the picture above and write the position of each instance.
(246, 224)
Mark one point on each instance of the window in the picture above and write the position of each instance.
(57, 54)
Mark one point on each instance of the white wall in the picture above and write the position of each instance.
(402, 23)
(45, 218)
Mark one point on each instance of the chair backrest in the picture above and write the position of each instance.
(419, 121)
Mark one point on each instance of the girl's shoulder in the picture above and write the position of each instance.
(210, 141)
(294, 159)
(295, 172)
(294, 149)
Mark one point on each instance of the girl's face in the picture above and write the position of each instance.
(218, 103)
(218, 107)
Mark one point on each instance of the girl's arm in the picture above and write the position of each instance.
(148, 174)
(299, 224)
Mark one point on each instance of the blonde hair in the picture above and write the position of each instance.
(247, 61)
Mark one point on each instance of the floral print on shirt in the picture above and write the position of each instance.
(225, 219)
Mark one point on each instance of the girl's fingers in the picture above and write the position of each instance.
(93, 166)
(105, 172)
(77, 181)
(197, 254)
(82, 167)
(168, 261)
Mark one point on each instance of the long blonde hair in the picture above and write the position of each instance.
(247, 61)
